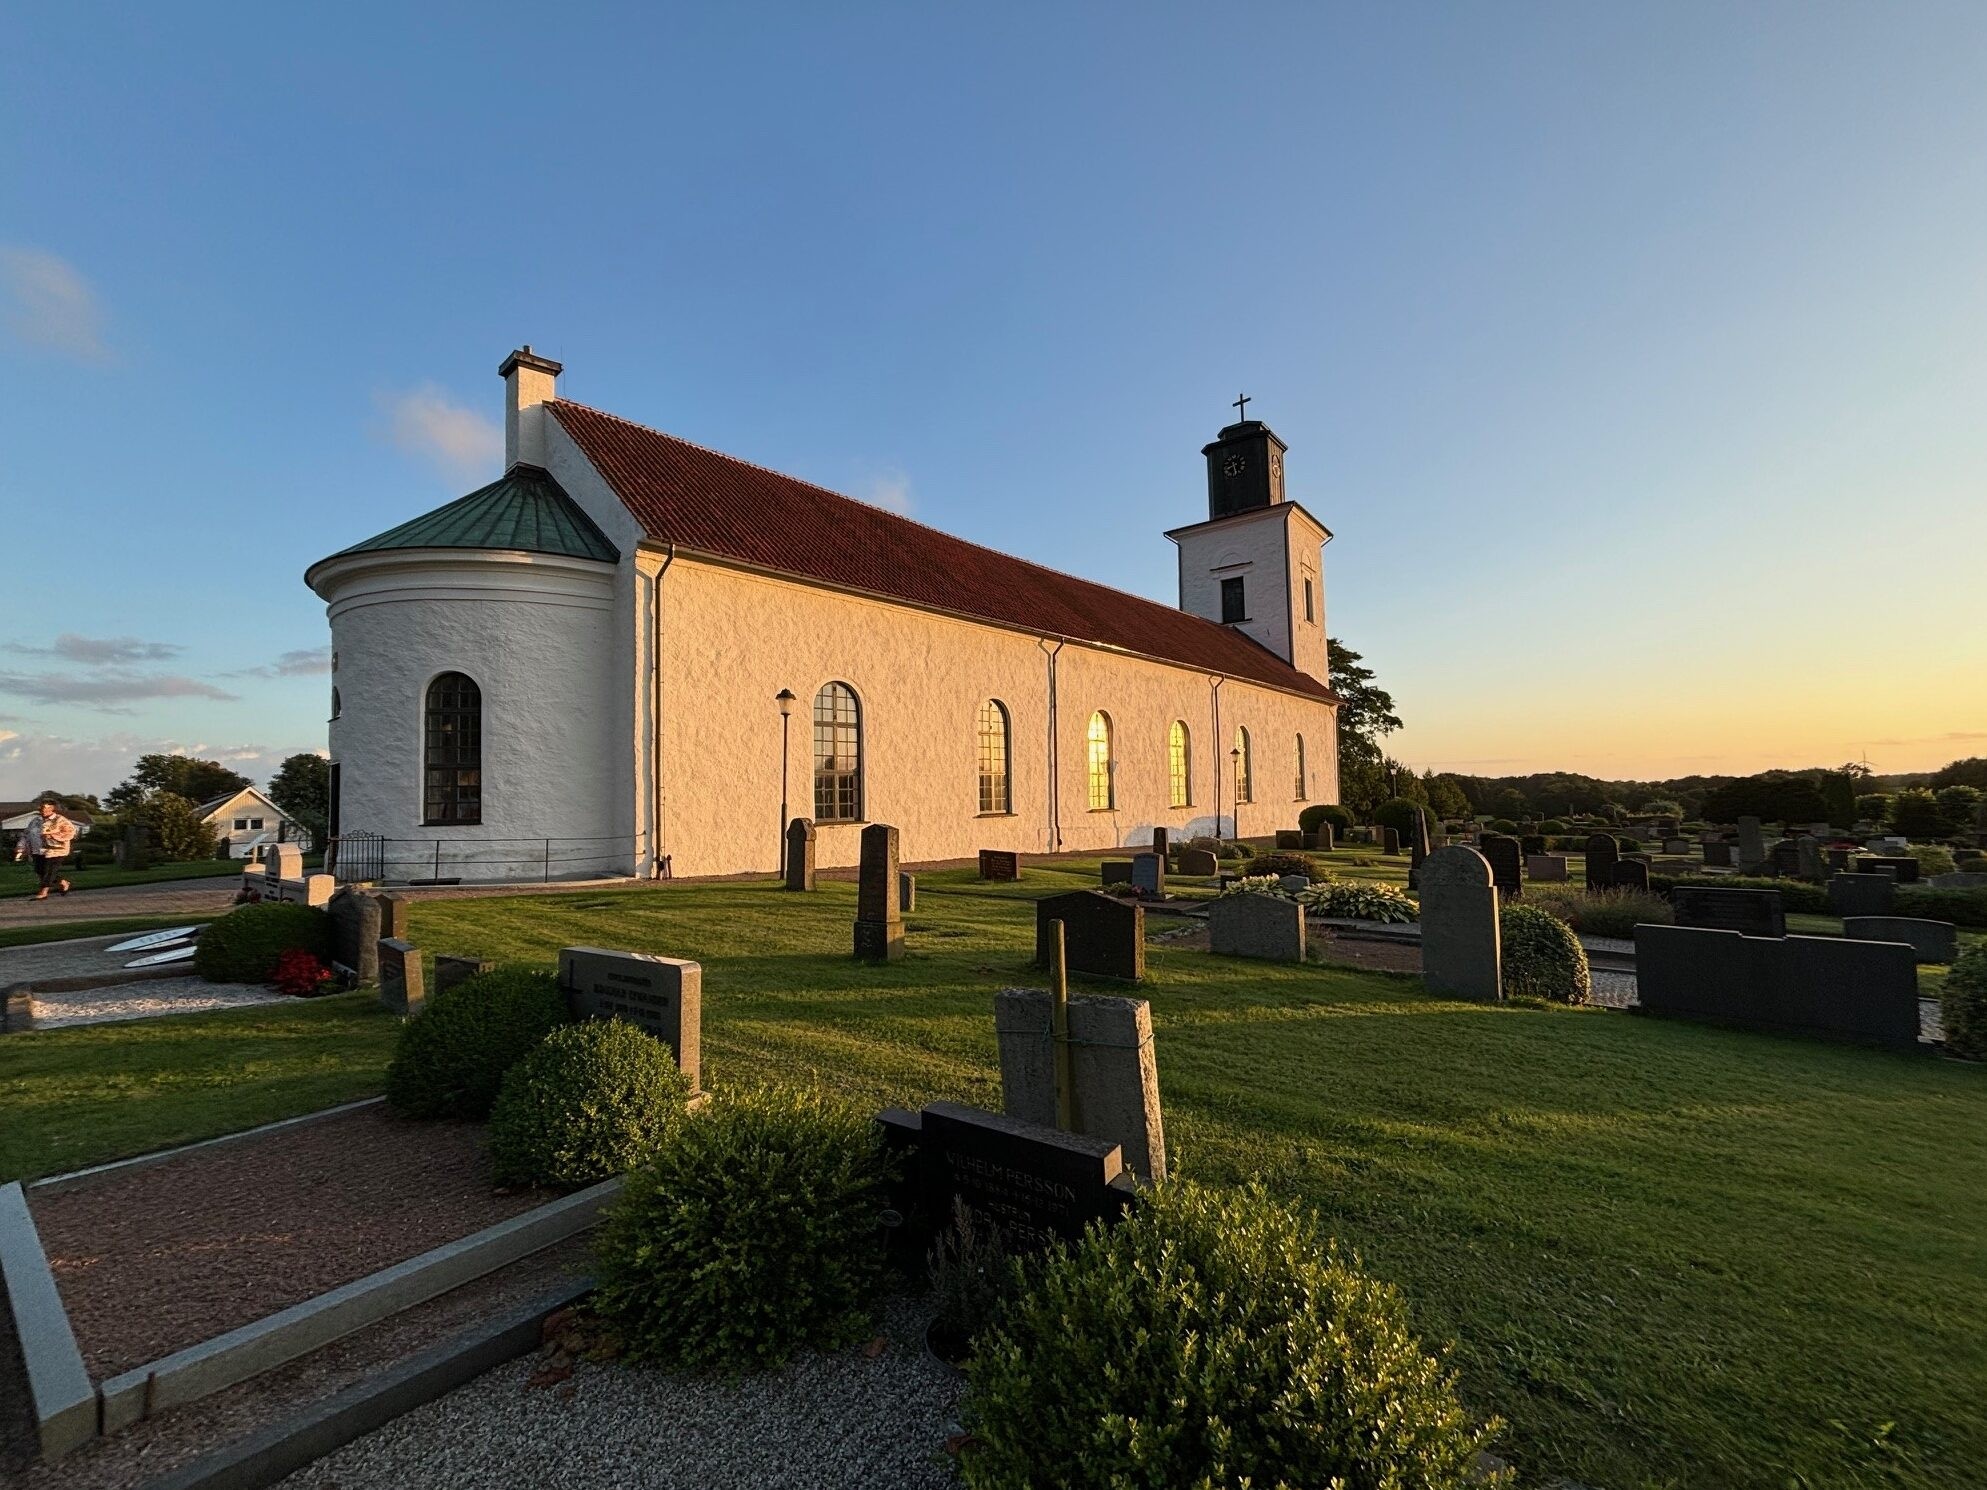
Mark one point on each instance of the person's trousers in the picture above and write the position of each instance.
(50, 869)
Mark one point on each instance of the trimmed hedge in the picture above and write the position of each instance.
(1926, 902)
(1963, 1004)
(1325, 812)
(751, 1233)
(245, 945)
(1281, 863)
(1543, 959)
(1211, 1338)
(592, 1101)
(452, 1058)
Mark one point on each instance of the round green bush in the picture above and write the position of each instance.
(452, 1059)
(1963, 1004)
(750, 1233)
(244, 945)
(592, 1101)
(1552, 825)
(1281, 864)
(1503, 825)
(1326, 812)
(1398, 814)
(1543, 959)
(1211, 1338)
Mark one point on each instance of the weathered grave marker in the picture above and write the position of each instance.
(1506, 864)
(1860, 894)
(661, 995)
(1929, 941)
(400, 977)
(450, 971)
(879, 927)
(907, 893)
(800, 854)
(1546, 869)
(1460, 953)
(1390, 840)
(1289, 838)
(1631, 874)
(355, 934)
(1602, 854)
(1115, 872)
(1198, 861)
(999, 864)
(1264, 926)
(1752, 843)
(1718, 854)
(393, 915)
(1104, 937)
(1112, 1070)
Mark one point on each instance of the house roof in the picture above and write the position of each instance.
(730, 509)
(526, 510)
(215, 804)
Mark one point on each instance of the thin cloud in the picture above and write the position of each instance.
(890, 490)
(108, 692)
(305, 662)
(101, 651)
(34, 762)
(51, 305)
(457, 441)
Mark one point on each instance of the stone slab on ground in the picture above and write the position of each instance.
(64, 1406)
(147, 1000)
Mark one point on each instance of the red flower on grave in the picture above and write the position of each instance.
(299, 974)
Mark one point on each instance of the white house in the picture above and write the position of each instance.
(248, 822)
(633, 655)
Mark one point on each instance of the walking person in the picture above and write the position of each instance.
(47, 842)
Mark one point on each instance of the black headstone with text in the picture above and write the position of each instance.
(1718, 854)
(1103, 937)
(1902, 867)
(1390, 840)
(1822, 986)
(1631, 874)
(1602, 854)
(1507, 863)
(355, 933)
(999, 864)
(1751, 912)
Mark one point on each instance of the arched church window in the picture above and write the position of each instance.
(453, 753)
(996, 784)
(336, 708)
(837, 755)
(1244, 768)
(1103, 796)
(1180, 763)
(1301, 792)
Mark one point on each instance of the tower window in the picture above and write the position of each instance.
(1233, 607)
(1180, 764)
(1103, 796)
(1310, 605)
(837, 755)
(454, 752)
(996, 784)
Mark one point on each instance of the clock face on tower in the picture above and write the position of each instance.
(1235, 465)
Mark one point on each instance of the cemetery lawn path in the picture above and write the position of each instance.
(70, 1098)
(18, 879)
(1668, 1255)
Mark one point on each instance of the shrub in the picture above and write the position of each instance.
(1309, 819)
(178, 831)
(1398, 814)
(1932, 859)
(1915, 813)
(971, 1280)
(1283, 863)
(1604, 912)
(1961, 907)
(451, 1061)
(1211, 1338)
(1963, 1004)
(1328, 812)
(1255, 884)
(1503, 825)
(750, 1233)
(1360, 902)
(1543, 959)
(592, 1101)
(1552, 825)
(245, 945)
(1628, 844)
(299, 974)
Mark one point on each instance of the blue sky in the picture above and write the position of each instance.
(1636, 355)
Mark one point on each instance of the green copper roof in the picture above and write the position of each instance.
(525, 510)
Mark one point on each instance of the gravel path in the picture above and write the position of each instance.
(147, 1000)
(829, 1421)
(200, 899)
(154, 1259)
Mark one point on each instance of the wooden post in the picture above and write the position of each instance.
(1059, 1028)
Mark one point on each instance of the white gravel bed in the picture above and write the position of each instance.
(1615, 990)
(827, 1421)
(1625, 945)
(146, 1000)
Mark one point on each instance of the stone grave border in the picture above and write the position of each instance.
(64, 1404)
(55, 1182)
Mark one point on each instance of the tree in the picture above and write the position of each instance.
(302, 788)
(1839, 789)
(1873, 806)
(181, 775)
(1915, 813)
(1771, 796)
(177, 830)
(1365, 717)
(1661, 807)
(1446, 797)
(1970, 772)
(1959, 804)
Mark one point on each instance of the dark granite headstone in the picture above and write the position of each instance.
(1631, 874)
(907, 892)
(393, 915)
(1719, 854)
(800, 854)
(1116, 872)
(355, 934)
(999, 864)
(1860, 894)
(1751, 912)
(1162, 843)
(1602, 852)
(1198, 861)
(1390, 840)
(1803, 985)
(1102, 936)
(879, 927)
(1929, 941)
(1904, 868)
(1785, 857)
(1148, 875)
(1289, 838)
(450, 971)
(1327, 838)
(1841, 860)
(400, 977)
(1507, 864)
(662, 995)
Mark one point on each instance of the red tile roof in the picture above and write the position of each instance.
(728, 508)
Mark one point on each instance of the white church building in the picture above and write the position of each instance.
(633, 655)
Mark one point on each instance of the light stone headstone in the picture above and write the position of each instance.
(661, 995)
(879, 925)
(1461, 954)
(400, 979)
(393, 915)
(1113, 1070)
(1264, 926)
(800, 854)
(283, 861)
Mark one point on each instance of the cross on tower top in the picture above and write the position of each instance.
(1241, 406)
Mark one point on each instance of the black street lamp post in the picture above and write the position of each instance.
(784, 698)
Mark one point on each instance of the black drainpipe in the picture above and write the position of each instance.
(1215, 694)
(1055, 753)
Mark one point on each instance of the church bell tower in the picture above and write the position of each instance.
(1256, 564)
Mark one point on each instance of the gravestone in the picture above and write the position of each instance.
(134, 846)
(1324, 840)
(393, 915)
(1841, 860)
(1035, 1184)
(1114, 1074)
(1417, 847)
(1390, 840)
(1102, 936)
(1822, 986)
(1718, 854)
(663, 996)
(1860, 894)
(400, 986)
(1198, 861)
(907, 893)
(1148, 875)
(1289, 838)
(1752, 843)
(1676, 845)
(1547, 869)
(355, 934)
(1808, 859)
(800, 854)
(1116, 872)
(283, 861)
(879, 928)
(1162, 842)
(1602, 852)
(1929, 941)
(1506, 864)
(1262, 926)
(450, 971)
(1531, 843)
(1785, 858)
(1293, 884)
(999, 864)
(1902, 867)
(1750, 912)
(1631, 874)
(1460, 953)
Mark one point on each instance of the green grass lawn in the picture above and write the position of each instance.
(1668, 1255)
(18, 879)
(74, 1097)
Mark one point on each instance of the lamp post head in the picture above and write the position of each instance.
(784, 698)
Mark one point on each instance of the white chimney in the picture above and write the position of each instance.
(529, 380)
